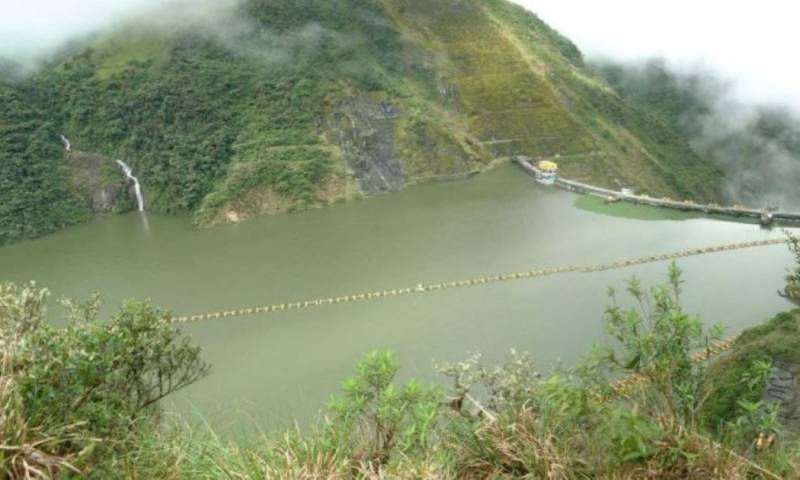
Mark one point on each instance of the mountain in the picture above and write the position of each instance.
(275, 105)
(757, 145)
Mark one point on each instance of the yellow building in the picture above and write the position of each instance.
(547, 172)
(547, 166)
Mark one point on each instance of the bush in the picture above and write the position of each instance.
(377, 422)
(793, 278)
(73, 394)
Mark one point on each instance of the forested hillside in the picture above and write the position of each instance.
(757, 146)
(284, 104)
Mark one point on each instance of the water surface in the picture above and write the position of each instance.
(268, 369)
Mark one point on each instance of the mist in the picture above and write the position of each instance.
(33, 31)
(750, 42)
(756, 146)
(62, 31)
(35, 28)
(733, 61)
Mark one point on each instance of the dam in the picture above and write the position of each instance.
(765, 216)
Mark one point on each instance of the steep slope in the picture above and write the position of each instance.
(283, 104)
(758, 146)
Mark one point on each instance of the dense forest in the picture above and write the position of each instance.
(281, 105)
(34, 193)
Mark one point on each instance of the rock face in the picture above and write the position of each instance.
(100, 182)
(781, 390)
(778, 342)
(364, 131)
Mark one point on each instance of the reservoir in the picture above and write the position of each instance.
(272, 368)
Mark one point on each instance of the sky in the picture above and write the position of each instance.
(753, 43)
(750, 42)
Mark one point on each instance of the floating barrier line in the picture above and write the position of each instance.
(474, 282)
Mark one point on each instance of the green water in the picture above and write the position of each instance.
(594, 204)
(268, 369)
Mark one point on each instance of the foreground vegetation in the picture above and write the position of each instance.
(82, 400)
(792, 291)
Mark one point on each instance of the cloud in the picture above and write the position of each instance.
(30, 30)
(736, 59)
(752, 43)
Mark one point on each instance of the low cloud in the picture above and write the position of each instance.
(735, 58)
(757, 146)
(752, 43)
(32, 31)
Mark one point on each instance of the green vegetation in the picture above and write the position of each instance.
(35, 197)
(72, 396)
(292, 173)
(793, 278)
(83, 399)
(316, 100)
(742, 371)
(756, 146)
(594, 204)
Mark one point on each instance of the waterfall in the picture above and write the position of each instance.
(136, 187)
(67, 145)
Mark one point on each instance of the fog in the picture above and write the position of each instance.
(750, 42)
(32, 30)
(737, 59)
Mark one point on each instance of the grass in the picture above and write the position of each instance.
(591, 203)
(776, 340)
(82, 399)
(116, 52)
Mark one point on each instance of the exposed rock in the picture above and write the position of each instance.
(776, 341)
(364, 130)
(266, 201)
(100, 182)
(781, 390)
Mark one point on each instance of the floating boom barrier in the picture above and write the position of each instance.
(473, 282)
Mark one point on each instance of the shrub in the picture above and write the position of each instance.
(377, 422)
(793, 278)
(72, 393)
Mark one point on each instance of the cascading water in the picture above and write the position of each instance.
(136, 187)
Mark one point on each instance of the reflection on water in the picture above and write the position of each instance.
(145, 224)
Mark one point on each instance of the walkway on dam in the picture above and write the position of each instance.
(687, 206)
